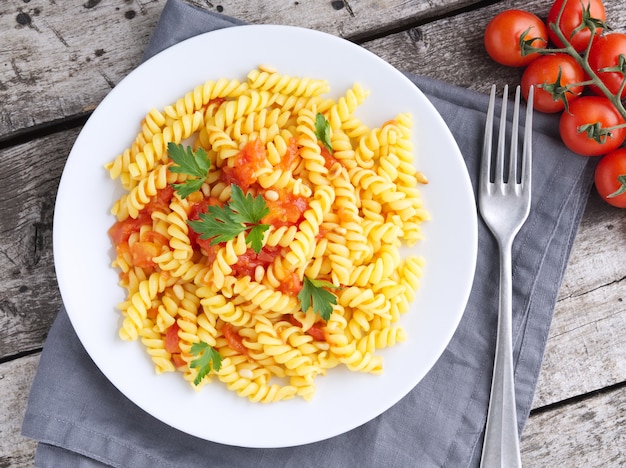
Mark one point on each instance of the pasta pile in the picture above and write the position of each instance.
(361, 203)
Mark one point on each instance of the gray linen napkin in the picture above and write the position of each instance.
(80, 419)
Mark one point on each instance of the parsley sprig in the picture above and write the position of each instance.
(314, 294)
(194, 164)
(242, 213)
(207, 358)
(322, 131)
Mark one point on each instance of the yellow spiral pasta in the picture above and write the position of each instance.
(338, 212)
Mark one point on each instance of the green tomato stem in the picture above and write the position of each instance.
(584, 63)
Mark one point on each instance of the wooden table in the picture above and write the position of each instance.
(59, 59)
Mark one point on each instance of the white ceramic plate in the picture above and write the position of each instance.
(82, 249)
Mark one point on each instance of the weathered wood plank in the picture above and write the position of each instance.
(596, 260)
(15, 380)
(588, 433)
(351, 20)
(29, 297)
(586, 348)
(60, 58)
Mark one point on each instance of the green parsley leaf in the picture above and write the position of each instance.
(242, 213)
(194, 164)
(255, 236)
(247, 209)
(313, 294)
(322, 131)
(186, 188)
(208, 358)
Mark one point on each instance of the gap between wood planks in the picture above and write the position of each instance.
(39, 131)
(20, 355)
(407, 25)
(577, 399)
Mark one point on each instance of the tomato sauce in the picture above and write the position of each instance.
(250, 260)
(287, 210)
(149, 246)
(291, 284)
(161, 201)
(329, 159)
(291, 154)
(234, 339)
(172, 340)
(121, 230)
(247, 163)
(316, 330)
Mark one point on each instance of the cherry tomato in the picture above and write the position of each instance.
(572, 18)
(550, 74)
(589, 110)
(610, 178)
(605, 53)
(503, 33)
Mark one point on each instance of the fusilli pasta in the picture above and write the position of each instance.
(339, 210)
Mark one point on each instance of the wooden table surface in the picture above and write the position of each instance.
(58, 59)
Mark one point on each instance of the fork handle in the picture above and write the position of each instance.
(501, 443)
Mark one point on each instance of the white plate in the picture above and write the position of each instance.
(82, 249)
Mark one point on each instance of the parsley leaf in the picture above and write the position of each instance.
(322, 131)
(247, 209)
(188, 187)
(186, 161)
(314, 295)
(242, 213)
(208, 358)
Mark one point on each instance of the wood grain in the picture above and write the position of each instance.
(589, 433)
(15, 380)
(29, 298)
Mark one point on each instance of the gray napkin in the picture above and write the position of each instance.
(80, 419)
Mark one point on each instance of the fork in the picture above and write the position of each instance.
(504, 203)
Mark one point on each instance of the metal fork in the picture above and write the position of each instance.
(504, 202)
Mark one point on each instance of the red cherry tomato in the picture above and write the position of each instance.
(605, 53)
(550, 74)
(587, 111)
(610, 178)
(572, 18)
(503, 33)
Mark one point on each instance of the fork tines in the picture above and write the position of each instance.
(513, 168)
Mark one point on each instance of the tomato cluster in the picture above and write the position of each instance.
(578, 68)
